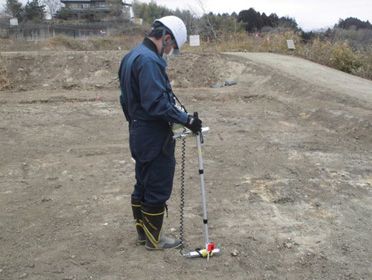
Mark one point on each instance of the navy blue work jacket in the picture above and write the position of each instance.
(145, 86)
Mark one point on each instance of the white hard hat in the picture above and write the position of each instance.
(177, 27)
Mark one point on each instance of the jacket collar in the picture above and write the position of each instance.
(151, 45)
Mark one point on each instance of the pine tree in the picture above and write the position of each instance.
(34, 11)
(14, 9)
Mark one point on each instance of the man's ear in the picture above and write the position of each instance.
(167, 38)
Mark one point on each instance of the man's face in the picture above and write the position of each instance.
(169, 48)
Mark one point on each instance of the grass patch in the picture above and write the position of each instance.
(4, 80)
(340, 54)
(336, 52)
(68, 43)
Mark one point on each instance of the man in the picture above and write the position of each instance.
(149, 107)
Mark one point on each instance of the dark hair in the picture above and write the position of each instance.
(157, 31)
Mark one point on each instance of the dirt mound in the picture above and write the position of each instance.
(87, 70)
(202, 69)
(67, 70)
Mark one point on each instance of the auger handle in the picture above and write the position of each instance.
(189, 133)
(200, 133)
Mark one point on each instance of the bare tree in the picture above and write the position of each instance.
(51, 6)
(208, 23)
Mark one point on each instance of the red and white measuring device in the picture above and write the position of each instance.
(210, 248)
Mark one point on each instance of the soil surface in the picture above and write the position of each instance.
(287, 168)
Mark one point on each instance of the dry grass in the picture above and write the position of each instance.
(4, 80)
(339, 54)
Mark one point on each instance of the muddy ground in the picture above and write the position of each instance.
(287, 169)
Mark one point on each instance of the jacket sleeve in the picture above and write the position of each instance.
(154, 98)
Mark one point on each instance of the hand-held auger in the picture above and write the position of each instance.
(210, 248)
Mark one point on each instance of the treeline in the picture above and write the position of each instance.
(357, 33)
(211, 25)
(353, 24)
(346, 47)
(216, 25)
(255, 21)
(33, 11)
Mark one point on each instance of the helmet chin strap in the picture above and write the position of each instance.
(164, 44)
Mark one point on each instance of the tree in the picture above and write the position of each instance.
(207, 22)
(150, 12)
(115, 7)
(353, 23)
(14, 9)
(51, 6)
(252, 19)
(34, 11)
(65, 14)
(288, 22)
(189, 19)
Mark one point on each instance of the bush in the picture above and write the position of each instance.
(343, 58)
(68, 43)
(317, 51)
(64, 14)
(102, 43)
(365, 68)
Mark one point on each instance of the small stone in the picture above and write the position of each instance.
(235, 253)
(23, 276)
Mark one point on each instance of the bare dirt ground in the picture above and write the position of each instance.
(287, 170)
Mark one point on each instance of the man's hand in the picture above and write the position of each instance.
(194, 124)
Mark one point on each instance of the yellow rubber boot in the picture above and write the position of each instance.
(137, 215)
(152, 217)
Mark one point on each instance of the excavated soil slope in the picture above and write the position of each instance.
(287, 166)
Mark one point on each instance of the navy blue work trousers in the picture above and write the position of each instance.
(152, 147)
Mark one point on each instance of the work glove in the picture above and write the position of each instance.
(194, 124)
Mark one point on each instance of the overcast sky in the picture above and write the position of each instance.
(309, 14)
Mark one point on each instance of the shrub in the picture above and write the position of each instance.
(68, 43)
(102, 43)
(343, 58)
